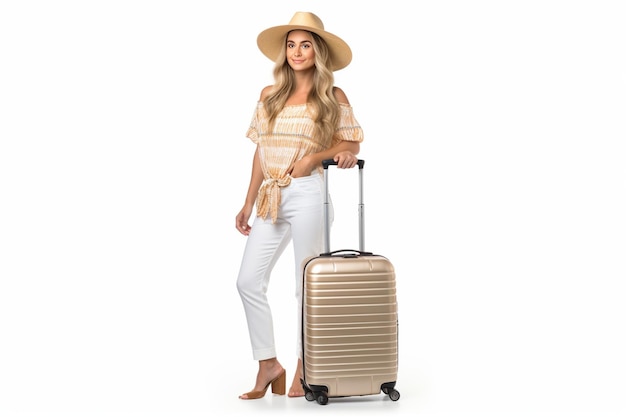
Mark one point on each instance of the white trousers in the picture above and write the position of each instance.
(300, 220)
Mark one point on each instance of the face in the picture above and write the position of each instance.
(300, 53)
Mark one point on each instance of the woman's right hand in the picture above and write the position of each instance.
(241, 221)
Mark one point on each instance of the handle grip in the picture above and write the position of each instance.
(328, 162)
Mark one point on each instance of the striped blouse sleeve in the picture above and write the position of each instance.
(253, 130)
(349, 128)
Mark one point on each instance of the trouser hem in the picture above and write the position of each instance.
(262, 354)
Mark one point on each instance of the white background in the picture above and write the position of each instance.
(495, 182)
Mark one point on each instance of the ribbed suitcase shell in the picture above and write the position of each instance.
(350, 324)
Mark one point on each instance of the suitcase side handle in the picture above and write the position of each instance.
(328, 162)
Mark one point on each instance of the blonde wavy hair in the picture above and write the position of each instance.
(322, 103)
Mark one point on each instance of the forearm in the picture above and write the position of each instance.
(256, 178)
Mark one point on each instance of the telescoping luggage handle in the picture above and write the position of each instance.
(360, 163)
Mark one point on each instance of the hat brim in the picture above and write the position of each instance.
(271, 42)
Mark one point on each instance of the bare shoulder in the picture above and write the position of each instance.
(340, 95)
(265, 92)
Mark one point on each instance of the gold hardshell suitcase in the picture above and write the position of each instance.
(349, 320)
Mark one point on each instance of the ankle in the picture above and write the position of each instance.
(269, 365)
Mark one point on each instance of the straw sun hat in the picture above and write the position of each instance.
(271, 41)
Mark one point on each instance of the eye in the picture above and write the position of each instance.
(306, 46)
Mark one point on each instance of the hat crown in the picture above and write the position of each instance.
(306, 19)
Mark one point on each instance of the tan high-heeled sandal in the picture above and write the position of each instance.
(278, 387)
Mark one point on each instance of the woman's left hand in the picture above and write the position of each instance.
(345, 159)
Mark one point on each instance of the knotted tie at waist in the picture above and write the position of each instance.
(269, 196)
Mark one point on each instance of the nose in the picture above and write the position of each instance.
(297, 52)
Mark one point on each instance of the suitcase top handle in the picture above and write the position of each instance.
(328, 162)
(347, 253)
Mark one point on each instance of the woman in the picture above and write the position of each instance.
(298, 122)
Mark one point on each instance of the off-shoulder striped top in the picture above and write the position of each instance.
(289, 141)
